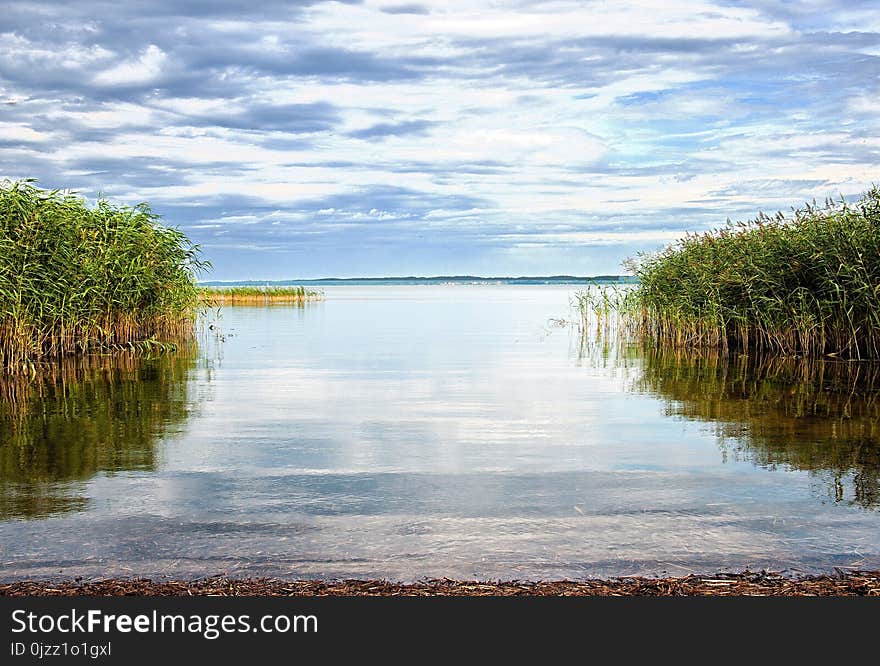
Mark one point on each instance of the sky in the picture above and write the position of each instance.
(306, 139)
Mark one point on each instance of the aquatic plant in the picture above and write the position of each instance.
(217, 296)
(606, 305)
(75, 278)
(806, 283)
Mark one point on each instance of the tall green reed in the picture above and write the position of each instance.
(75, 278)
(803, 284)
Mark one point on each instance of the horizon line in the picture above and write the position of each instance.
(560, 276)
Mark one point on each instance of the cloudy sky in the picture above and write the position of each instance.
(304, 138)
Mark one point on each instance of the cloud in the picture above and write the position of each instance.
(383, 130)
(259, 116)
(410, 8)
(513, 136)
(145, 69)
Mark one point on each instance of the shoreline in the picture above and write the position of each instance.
(765, 584)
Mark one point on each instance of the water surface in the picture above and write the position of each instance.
(412, 431)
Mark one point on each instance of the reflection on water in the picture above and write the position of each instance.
(76, 418)
(821, 416)
(404, 432)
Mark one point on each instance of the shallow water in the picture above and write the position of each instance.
(405, 432)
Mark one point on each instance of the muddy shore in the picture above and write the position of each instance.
(744, 584)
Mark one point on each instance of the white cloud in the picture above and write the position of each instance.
(16, 49)
(866, 104)
(20, 132)
(145, 69)
(511, 18)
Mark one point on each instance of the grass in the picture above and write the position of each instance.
(258, 295)
(807, 283)
(75, 278)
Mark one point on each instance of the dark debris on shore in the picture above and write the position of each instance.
(744, 584)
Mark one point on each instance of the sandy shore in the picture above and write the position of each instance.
(865, 583)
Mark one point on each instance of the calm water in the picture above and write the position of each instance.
(405, 432)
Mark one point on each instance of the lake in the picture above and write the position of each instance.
(404, 432)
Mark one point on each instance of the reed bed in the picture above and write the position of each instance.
(807, 283)
(75, 278)
(218, 296)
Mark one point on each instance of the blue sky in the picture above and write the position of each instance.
(378, 137)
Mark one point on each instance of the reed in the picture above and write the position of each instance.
(807, 283)
(218, 296)
(75, 278)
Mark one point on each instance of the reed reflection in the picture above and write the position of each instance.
(820, 416)
(75, 419)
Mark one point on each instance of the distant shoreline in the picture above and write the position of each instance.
(435, 280)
